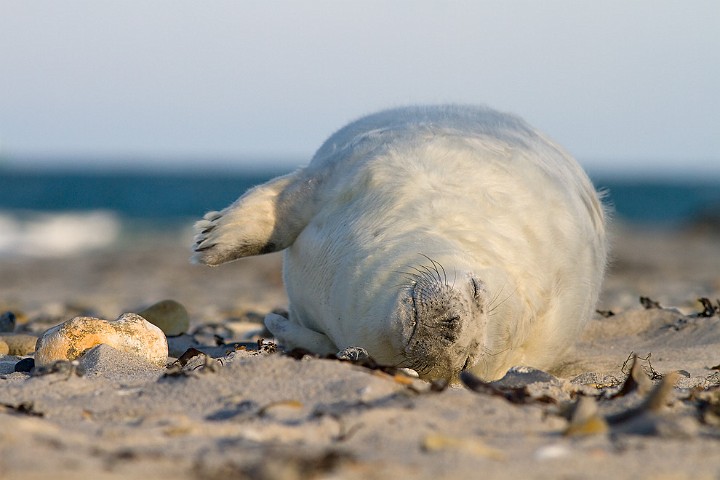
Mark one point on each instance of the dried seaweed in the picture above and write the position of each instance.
(708, 406)
(649, 370)
(636, 379)
(585, 419)
(189, 354)
(188, 362)
(709, 310)
(265, 346)
(353, 355)
(654, 401)
(649, 304)
(644, 419)
(513, 394)
(23, 408)
(276, 465)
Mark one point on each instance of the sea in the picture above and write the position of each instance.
(61, 212)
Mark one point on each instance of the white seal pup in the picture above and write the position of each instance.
(437, 238)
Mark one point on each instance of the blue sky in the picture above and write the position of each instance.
(625, 86)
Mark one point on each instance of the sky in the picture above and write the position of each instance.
(624, 86)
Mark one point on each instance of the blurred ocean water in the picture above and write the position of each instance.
(162, 197)
(62, 212)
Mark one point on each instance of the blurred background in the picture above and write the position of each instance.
(140, 116)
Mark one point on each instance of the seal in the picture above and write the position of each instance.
(438, 238)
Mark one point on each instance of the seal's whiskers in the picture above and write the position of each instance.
(492, 306)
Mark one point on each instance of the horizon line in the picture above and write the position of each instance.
(616, 168)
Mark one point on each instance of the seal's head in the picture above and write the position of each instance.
(441, 324)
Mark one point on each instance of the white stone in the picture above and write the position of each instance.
(129, 333)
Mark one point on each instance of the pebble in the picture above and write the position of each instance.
(170, 316)
(130, 333)
(25, 365)
(7, 322)
(7, 367)
(552, 452)
(19, 344)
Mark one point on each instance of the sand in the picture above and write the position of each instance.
(250, 413)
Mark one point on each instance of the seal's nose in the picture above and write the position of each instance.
(446, 328)
(438, 310)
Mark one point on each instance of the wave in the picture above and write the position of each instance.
(43, 234)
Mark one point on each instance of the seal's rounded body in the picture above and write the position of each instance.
(437, 238)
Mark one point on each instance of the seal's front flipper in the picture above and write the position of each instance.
(265, 219)
(291, 335)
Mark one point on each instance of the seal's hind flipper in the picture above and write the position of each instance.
(292, 335)
(265, 219)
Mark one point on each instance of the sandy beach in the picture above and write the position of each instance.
(236, 410)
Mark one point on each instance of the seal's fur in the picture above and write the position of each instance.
(438, 238)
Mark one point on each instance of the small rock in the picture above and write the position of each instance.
(4, 348)
(19, 344)
(7, 322)
(25, 365)
(170, 316)
(130, 333)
